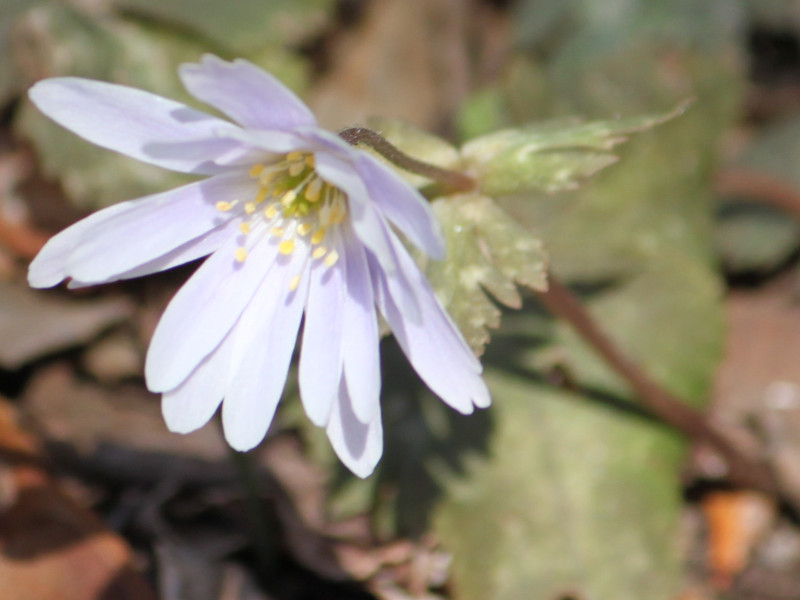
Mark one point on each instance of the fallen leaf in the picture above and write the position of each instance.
(51, 547)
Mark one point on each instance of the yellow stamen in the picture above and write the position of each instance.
(286, 247)
(240, 255)
(295, 169)
(271, 211)
(331, 259)
(224, 206)
(294, 283)
(268, 176)
(288, 197)
(294, 156)
(313, 189)
(318, 236)
(277, 231)
(250, 208)
(255, 170)
(310, 160)
(244, 228)
(319, 252)
(261, 195)
(304, 228)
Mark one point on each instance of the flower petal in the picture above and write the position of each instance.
(245, 93)
(321, 357)
(403, 205)
(359, 446)
(151, 227)
(360, 336)
(194, 402)
(265, 341)
(49, 268)
(366, 221)
(137, 123)
(204, 311)
(433, 345)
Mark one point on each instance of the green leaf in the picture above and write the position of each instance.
(487, 251)
(573, 499)
(548, 157)
(668, 318)
(241, 26)
(754, 238)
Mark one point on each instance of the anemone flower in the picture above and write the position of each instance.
(296, 222)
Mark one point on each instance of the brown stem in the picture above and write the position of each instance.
(451, 181)
(742, 469)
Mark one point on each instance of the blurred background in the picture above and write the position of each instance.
(685, 251)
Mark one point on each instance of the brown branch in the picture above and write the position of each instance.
(451, 181)
(742, 469)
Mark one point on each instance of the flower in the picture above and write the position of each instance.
(297, 222)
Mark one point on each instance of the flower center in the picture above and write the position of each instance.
(294, 204)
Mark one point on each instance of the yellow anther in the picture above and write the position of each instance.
(288, 197)
(337, 215)
(224, 206)
(271, 211)
(250, 208)
(310, 160)
(294, 156)
(244, 228)
(295, 169)
(319, 252)
(261, 195)
(318, 236)
(313, 189)
(294, 283)
(304, 228)
(255, 170)
(286, 247)
(277, 231)
(240, 255)
(331, 259)
(268, 176)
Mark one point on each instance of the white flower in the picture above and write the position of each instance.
(297, 222)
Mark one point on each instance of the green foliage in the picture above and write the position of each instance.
(242, 26)
(572, 499)
(487, 251)
(548, 157)
(55, 38)
(754, 238)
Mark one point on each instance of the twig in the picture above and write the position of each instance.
(451, 181)
(742, 469)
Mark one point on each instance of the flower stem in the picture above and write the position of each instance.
(743, 470)
(451, 181)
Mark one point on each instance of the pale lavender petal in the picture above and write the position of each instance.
(433, 346)
(365, 220)
(265, 341)
(150, 227)
(192, 250)
(360, 336)
(245, 93)
(358, 445)
(194, 402)
(402, 204)
(321, 357)
(203, 312)
(49, 268)
(136, 123)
